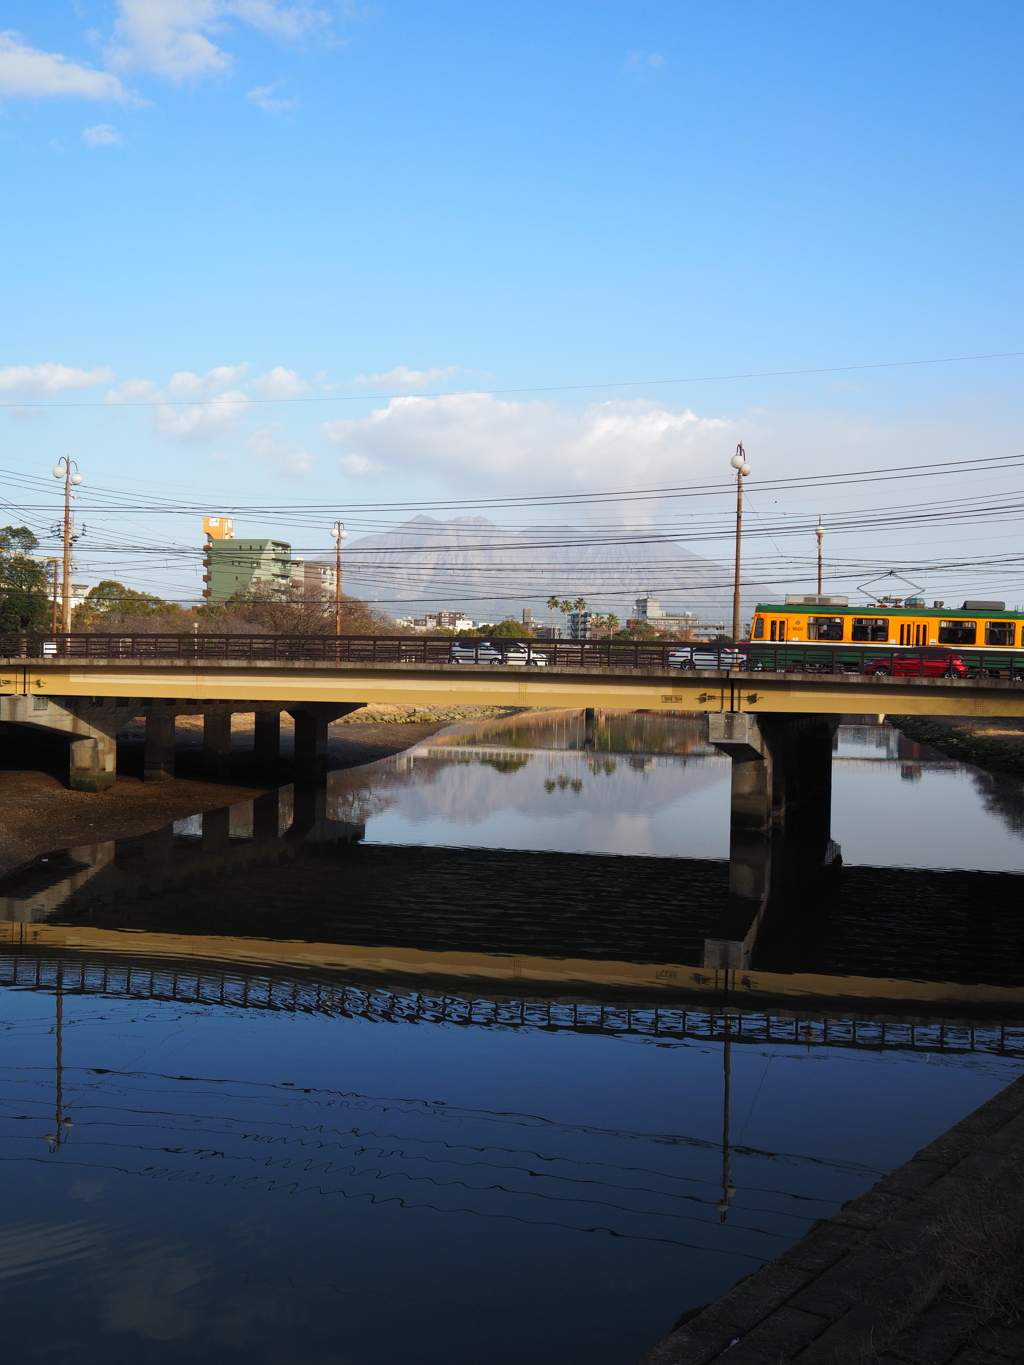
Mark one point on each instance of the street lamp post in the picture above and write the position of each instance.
(339, 533)
(739, 463)
(67, 470)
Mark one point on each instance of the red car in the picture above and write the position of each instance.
(930, 662)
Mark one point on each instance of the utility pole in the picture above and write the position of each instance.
(67, 470)
(53, 595)
(820, 533)
(739, 463)
(339, 533)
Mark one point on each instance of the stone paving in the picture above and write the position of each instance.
(879, 1281)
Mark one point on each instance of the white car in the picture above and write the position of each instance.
(707, 656)
(496, 652)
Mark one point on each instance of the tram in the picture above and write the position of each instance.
(983, 633)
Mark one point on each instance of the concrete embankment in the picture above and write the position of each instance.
(994, 743)
(925, 1268)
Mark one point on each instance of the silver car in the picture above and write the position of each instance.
(707, 656)
(496, 652)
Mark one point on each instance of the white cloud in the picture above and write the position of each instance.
(358, 466)
(202, 422)
(51, 378)
(216, 409)
(102, 135)
(264, 96)
(403, 378)
(481, 440)
(131, 391)
(27, 71)
(185, 384)
(280, 383)
(170, 37)
(282, 457)
(638, 64)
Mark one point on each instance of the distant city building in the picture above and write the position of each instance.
(579, 624)
(234, 566)
(649, 613)
(79, 591)
(441, 620)
(313, 580)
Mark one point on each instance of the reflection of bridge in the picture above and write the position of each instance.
(276, 886)
(240, 986)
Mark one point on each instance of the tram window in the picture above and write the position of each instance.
(759, 628)
(824, 627)
(957, 632)
(999, 632)
(871, 629)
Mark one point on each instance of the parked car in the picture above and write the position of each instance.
(707, 656)
(929, 662)
(496, 652)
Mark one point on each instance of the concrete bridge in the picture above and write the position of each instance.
(92, 685)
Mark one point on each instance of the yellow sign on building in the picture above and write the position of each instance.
(219, 528)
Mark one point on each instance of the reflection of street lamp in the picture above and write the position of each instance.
(728, 1188)
(63, 470)
(739, 463)
(339, 533)
(61, 1124)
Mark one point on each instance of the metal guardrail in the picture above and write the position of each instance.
(748, 657)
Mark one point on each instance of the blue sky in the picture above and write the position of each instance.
(342, 202)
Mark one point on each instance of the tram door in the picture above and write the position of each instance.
(778, 630)
(911, 634)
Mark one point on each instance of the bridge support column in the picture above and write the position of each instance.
(217, 746)
(267, 739)
(779, 819)
(93, 763)
(311, 722)
(159, 757)
(216, 829)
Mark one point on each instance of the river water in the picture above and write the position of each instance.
(423, 1066)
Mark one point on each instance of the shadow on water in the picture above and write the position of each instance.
(337, 1065)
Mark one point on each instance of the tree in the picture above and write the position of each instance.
(24, 603)
(510, 629)
(110, 598)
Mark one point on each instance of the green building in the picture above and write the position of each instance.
(234, 566)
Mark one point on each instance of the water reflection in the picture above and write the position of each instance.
(339, 1066)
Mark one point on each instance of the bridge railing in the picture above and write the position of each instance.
(746, 657)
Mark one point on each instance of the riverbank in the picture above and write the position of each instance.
(926, 1268)
(993, 743)
(40, 813)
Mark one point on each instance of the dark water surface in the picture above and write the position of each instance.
(420, 1068)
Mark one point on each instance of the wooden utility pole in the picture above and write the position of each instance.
(53, 596)
(820, 533)
(67, 470)
(339, 533)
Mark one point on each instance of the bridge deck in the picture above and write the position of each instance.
(285, 682)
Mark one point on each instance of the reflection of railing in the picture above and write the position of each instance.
(424, 649)
(308, 995)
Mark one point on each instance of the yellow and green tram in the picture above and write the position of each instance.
(987, 637)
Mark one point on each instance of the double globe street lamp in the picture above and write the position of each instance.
(739, 463)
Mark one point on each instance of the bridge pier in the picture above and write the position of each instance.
(158, 764)
(93, 763)
(267, 739)
(311, 722)
(217, 746)
(781, 805)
